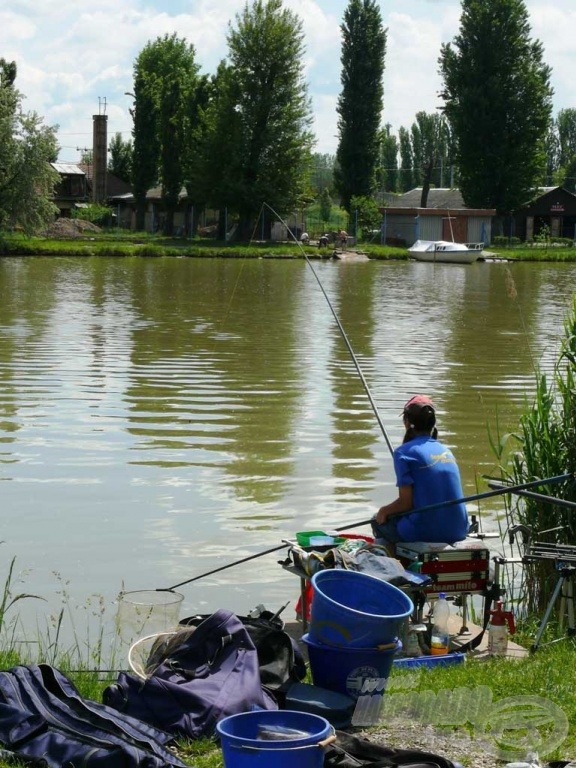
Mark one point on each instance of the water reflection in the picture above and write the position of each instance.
(161, 417)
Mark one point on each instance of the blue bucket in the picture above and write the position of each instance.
(345, 670)
(241, 747)
(355, 610)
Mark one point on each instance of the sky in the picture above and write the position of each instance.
(75, 58)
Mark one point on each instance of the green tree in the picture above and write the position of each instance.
(387, 171)
(561, 150)
(497, 98)
(120, 162)
(325, 205)
(196, 128)
(365, 212)
(322, 173)
(260, 121)
(27, 147)
(430, 140)
(407, 179)
(146, 145)
(361, 100)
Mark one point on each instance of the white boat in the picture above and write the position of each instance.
(446, 252)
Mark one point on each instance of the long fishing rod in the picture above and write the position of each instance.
(342, 331)
(463, 500)
(486, 494)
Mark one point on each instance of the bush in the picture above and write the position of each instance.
(100, 215)
(503, 241)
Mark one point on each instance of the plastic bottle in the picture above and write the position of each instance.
(501, 622)
(440, 639)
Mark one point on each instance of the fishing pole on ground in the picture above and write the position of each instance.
(465, 499)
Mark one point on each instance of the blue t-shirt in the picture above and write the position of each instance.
(430, 468)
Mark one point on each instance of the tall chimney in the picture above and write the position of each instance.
(99, 160)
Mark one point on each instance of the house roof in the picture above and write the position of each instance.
(114, 186)
(441, 202)
(438, 197)
(68, 169)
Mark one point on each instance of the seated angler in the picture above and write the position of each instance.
(426, 474)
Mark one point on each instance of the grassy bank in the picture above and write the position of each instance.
(118, 243)
(474, 700)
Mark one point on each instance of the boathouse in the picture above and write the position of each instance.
(445, 218)
(552, 211)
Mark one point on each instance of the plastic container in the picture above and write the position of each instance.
(303, 537)
(241, 747)
(431, 661)
(355, 610)
(321, 541)
(345, 670)
(501, 622)
(440, 637)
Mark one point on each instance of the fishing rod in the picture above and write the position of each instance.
(463, 500)
(485, 495)
(366, 389)
(342, 331)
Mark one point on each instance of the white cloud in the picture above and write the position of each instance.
(70, 54)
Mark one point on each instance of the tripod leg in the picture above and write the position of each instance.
(571, 631)
(547, 613)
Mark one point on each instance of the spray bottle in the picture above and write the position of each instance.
(501, 623)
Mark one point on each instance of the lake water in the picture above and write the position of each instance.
(162, 417)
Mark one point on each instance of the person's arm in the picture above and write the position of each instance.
(404, 503)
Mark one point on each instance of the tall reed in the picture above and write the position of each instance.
(543, 447)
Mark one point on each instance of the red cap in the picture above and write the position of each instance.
(417, 402)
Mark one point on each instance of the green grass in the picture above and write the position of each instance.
(118, 243)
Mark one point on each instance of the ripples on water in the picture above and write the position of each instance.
(160, 418)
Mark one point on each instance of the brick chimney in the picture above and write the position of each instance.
(99, 152)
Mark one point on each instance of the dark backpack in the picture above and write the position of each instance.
(45, 721)
(280, 659)
(352, 752)
(211, 674)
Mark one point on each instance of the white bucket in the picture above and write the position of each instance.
(146, 612)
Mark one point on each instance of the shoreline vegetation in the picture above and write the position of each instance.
(119, 243)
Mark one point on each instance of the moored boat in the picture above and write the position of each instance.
(445, 251)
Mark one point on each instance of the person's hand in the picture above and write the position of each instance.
(381, 515)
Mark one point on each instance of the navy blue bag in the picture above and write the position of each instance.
(45, 721)
(213, 673)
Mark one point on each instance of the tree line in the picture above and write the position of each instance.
(241, 137)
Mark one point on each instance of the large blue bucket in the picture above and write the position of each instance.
(355, 610)
(241, 747)
(346, 670)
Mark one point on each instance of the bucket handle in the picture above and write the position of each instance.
(322, 744)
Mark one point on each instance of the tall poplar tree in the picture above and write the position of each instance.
(361, 100)
(273, 142)
(498, 101)
(165, 73)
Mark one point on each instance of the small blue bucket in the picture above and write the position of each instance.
(346, 670)
(355, 610)
(241, 747)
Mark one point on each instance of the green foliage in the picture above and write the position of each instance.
(27, 147)
(498, 101)
(407, 176)
(120, 162)
(258, 141)
(366, 213)
(325, 205)
(544, 447)
(322, 173)
(431, 141)
(361, 100)
(387, 171)
(101, 215)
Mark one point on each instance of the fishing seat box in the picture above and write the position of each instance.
(463, 567)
